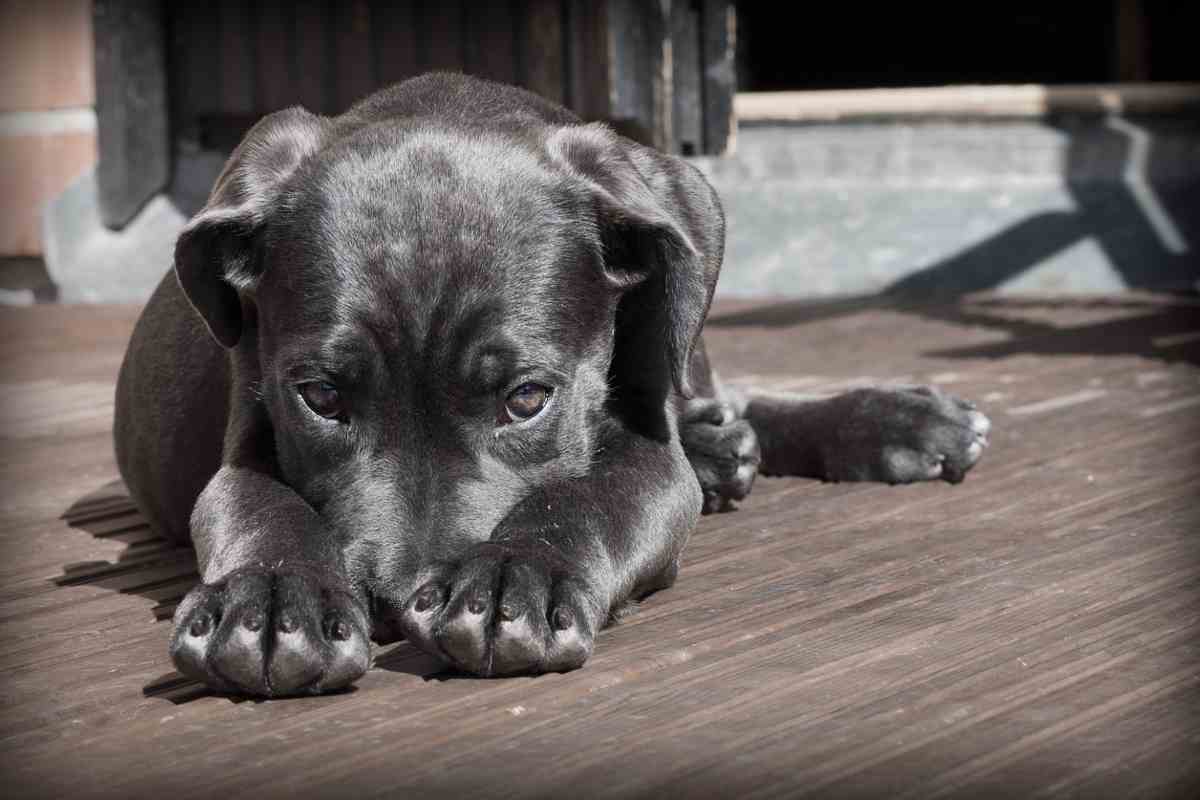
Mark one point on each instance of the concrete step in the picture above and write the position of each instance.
(939, 208)
(928, 208)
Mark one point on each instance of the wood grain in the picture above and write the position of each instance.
(1031, 632)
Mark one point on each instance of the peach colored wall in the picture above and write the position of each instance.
(47, 128)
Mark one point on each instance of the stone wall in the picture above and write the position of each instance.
(47, 119)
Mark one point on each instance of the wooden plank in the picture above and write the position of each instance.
(540, 48)
(1131, 42)
(588, 87)
(353, 62)
(236, 67)
(131, 106)
(195, 39)
(719, 41)
(1027, 632)
(275, 82)
(442, 34)
(489, 41)
(314, 57)
(687, 85)
(639, 74)
(396, 34)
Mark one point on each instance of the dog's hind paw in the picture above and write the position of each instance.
(271, 632)
(722, 449)
(507, 608)
(905, 435)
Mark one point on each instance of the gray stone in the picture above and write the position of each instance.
(90, 263)
(941, 208)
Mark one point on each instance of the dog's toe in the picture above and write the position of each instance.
(980, 425)
(462, 633)
(908, 434)
(518, 646)
(238, 658)
(271, 633)
(723, 451)
(504, 613)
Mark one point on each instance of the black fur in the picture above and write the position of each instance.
(441, 243)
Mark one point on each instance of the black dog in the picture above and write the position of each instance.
(451, 387)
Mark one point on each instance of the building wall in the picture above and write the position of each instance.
(47, 120)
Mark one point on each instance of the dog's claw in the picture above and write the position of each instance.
(563, 618)
(339, 630)
(201, 625)
(426, 598)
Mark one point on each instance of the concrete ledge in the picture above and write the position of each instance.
(920, 208)
(967, 101)
(938, 208)
(90, 263)
(54, 121)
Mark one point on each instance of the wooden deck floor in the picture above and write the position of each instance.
(1035, 630)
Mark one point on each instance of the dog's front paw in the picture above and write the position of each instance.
(505, 609)
(904, 435)
(272, 632)
(723, 451)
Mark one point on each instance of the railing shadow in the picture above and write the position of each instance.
(1134, 186)
(1165, 329)
(1166, 332)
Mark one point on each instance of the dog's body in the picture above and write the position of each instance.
(451, 387)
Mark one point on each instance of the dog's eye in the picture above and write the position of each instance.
(323, 398)
(526, 401)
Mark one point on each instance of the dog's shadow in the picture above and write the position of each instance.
(160, 571)
(149, 566)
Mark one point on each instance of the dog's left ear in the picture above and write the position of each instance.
(216, 256)
(662, 233)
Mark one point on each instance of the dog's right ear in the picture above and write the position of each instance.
(216, 256)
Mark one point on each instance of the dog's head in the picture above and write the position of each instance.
(434, 319)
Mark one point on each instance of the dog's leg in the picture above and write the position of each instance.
(276, 614)
(894, 435)
(533, 597)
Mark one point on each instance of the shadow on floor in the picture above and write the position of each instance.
(406, 658)
(1163, 329)
(1134, 187)
(162, 572)
(149, 566)
(1168, 333)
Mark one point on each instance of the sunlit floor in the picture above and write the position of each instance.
(1034, 629)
